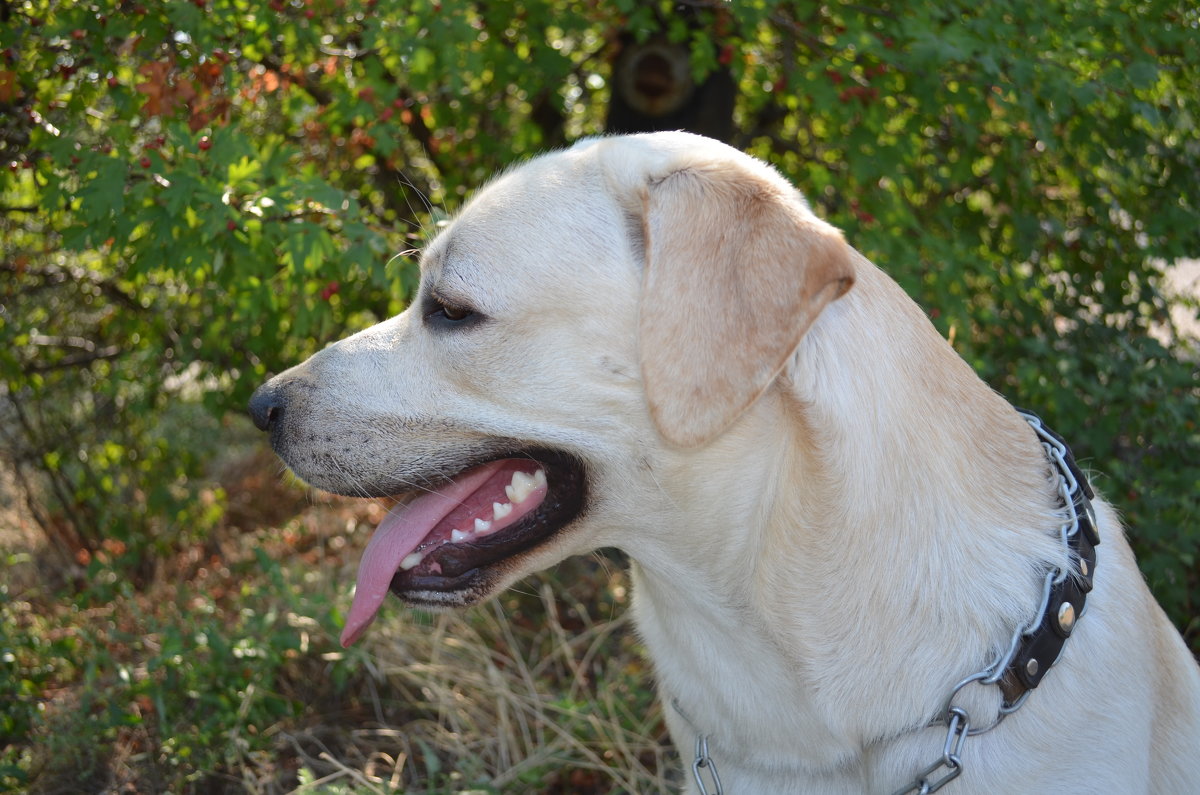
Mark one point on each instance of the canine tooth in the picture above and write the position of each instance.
(411, 560)
(482, 526)
(501, 509)
(539, 478)
(522, 484)
(458, 535)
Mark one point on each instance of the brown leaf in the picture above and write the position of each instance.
(10, 89)
(155, 87)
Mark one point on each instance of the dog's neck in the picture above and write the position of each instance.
(907, 524)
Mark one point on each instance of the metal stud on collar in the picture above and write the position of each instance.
(1066, 617)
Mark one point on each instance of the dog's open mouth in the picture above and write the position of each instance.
(448, 539)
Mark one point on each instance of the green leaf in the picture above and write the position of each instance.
(1142, 74)
(103, 195)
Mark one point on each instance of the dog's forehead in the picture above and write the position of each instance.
(553, 212)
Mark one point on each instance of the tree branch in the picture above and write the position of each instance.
(56, 275)
(78, 360)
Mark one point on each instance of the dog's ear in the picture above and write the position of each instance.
(737, 269)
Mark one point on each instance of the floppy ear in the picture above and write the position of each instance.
(737, 269)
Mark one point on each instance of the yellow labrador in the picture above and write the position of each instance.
(851, 558)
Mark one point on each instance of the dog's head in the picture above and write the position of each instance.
(629, 294)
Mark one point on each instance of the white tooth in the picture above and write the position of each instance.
(481, 526)
(539, 478)
(512, 495)
(522, 484)
(412, 560)
(501, 510)
(457, 536)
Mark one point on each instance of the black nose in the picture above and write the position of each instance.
(266, 406)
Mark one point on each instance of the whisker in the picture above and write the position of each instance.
(405, 180)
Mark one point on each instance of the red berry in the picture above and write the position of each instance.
(726, 56)
(386, 114)
(145, 161)
(113, 82)
(329, 291)
(231, 226)
(205, 144)
(79, 34)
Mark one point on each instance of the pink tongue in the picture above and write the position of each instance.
(398, 534)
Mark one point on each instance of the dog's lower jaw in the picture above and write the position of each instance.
(477, 592)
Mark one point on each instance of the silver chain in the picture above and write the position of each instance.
(955, 718)
(704, 763)
(933, 778)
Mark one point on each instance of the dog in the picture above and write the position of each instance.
(846, 550)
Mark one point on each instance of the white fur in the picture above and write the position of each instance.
(811, 581)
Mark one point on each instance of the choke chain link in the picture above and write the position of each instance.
(705, 764)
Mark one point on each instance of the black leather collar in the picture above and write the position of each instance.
(1040, 647)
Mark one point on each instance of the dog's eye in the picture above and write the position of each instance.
(440, 311)
(454, 312)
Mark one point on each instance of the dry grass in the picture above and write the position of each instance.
(476, 699)
(539, 691)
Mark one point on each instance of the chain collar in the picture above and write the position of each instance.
(1033, 648)
(1037, 645)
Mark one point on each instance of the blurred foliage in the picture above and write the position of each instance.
(196, 194)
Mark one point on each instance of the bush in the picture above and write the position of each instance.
(194, 195)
